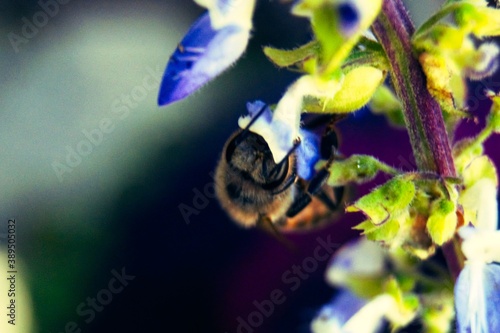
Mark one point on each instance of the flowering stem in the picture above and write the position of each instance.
(423, 116)
(422, 113)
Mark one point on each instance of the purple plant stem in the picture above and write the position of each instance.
(423, 116)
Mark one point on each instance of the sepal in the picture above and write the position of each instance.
(387, 201)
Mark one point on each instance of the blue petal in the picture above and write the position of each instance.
(307, 154)
(276, 133)
(224, 6)
(256, 106)
(346, 304)
(477, 298)
(202, 55)
(278, 136)
(349, 17)
(340, 310)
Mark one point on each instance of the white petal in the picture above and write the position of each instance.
(481, 199)
(360, 258)
(371, 316)
(335, 314)
(477, 298)
(480, 245)
(229, 12)
(222, 52)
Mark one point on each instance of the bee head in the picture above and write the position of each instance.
(249, 155)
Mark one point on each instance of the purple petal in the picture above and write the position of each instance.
(202, 55)
(477, 298)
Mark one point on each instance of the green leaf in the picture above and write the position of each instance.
(436, 18)
(386, 201)
(287, 58)
(379, 233)
(367, 53)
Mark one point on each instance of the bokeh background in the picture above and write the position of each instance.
(96, 65)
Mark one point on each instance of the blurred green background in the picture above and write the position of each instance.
(94, 172)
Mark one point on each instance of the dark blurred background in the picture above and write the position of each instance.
(113, 209)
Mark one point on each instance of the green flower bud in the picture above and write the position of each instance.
(442, 221)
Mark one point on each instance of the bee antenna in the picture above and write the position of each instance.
(281, 185)
(278, 166)
(243, 134)
(245, 131)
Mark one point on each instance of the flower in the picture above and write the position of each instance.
(359, 258)
(307, 154)
(477, 290)
(349, 313)
(450, 55)
(229, 12)
(278, 135)
(369, 294)
(283, 129)
(355, 16)
(212, 44)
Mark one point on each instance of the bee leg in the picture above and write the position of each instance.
(291, 179)
(268, 226)
(328, 151)
(331, 204)
(315, 188)
(316, 121)
(278, 166)
(289, 182)
(305, 195)
(303, 199)
(329, 143)
(318, 182)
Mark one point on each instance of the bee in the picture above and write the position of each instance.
(494, 3)
(256, 191)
